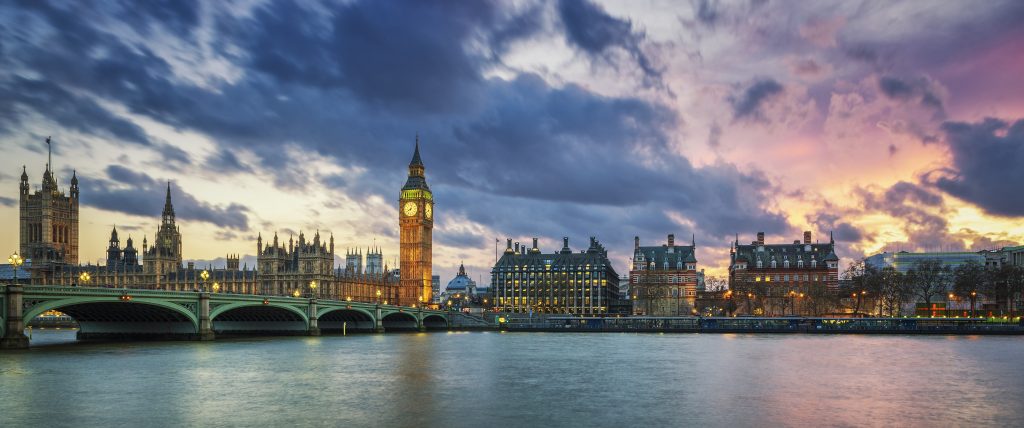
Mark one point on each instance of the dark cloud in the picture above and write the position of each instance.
(225, 161)
(986, 170)
(26, 96)
(8, 202)
(353, 86)
(593, 30)
(921, 90)
(707, 12)
(136, 193)
(748, 104)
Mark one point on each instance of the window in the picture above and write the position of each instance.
(773, 264)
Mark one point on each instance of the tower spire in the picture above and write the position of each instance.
(416, 154)
(168, 207)
(49, 154)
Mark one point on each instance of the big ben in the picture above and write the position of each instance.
(416, 220)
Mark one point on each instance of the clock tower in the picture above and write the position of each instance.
(416, 220)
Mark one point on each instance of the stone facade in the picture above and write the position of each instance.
(416, 222)
(775, 275)
(663, 279)
(48, 221)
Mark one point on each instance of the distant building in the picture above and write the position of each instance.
(585, 283)
(48, 220)
(663, 279)
(903, 261)
(774, 273)
(435, 288)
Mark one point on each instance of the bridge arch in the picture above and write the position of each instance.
(256, 317)
(112, 317)
(352, 320)
(435, 322)
(399, 321)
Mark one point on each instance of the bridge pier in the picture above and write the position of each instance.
(14, 327)
(419, 320)
(314, 327)
(205, 325)
(378, 322)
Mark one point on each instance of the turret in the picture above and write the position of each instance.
(24, 181)
(74, 184)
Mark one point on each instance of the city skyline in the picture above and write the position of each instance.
(610, 119)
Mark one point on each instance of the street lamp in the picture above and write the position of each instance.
(216, 287)
(296, 293)
(948, 299)
(16, 261)
(204, 275)
(378, 296)
(312, 288)
(84, 278)
(974, 295)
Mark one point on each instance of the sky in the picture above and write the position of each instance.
(892, 125)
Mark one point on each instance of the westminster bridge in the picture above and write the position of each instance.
(121, 313)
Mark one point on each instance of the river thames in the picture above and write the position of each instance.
(489, 379)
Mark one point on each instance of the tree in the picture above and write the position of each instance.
(968, 278)
(894, 291)
(715, 283)
(928, 279)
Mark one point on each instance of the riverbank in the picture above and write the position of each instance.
(782, 325)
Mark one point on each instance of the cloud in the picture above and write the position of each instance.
(594, 31)
(8, 202)
(25, 97)
(986, 171)
(924, 91)
(135, 193)
(748, 104)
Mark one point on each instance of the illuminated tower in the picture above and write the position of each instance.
(49, 221)
(416, 219)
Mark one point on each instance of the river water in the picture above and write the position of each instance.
(492, 380)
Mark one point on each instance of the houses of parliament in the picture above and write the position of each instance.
(303, 266)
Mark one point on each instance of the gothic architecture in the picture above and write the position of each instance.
(49, 221)
(663, 279)
(305, 267)
(771, 279)
(527, 280)
(165, 254)
(416, 220)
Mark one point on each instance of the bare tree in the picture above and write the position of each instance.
(968, 278)
(928, 279)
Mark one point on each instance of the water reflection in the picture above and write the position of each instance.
(518, 379)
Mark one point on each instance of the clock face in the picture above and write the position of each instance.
(428, 211)
(409, 209)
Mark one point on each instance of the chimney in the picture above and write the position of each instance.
(191, 265)
(807, 237)
(535, 244)
(517, 247)
(636, 242)
(760, 238)
(671, 240)
(565, 241)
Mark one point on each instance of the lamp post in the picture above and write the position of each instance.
(378, 296)
(792, 302)
(84, 278)
(216, 287)
(749, 296)
(204, 275)
(16, 261)
(296, 293)
(974, 295)
(949, 298)
(312, 288)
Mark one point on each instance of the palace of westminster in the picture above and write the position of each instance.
(49, 239)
